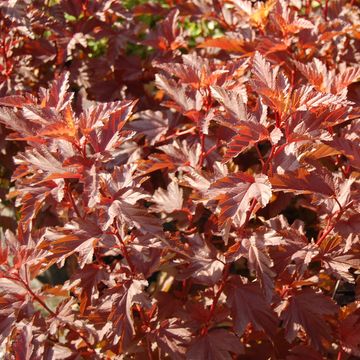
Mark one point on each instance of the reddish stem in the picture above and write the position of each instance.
(326, 232)
(331, 224)
(148, 349)
(326, 7)
(249, 213)
(123, 248)
(225, 275)
(202, 143)
(73, 204)
(208, 105)
(339, 356)
(214, 147)
(37, 298)
(6, 59)
(308, 7)
(259, 155)
(277, 120)
(219, 292)
(266, 165)
(175, 135)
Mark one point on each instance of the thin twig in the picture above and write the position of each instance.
(73, 204)
(225, 275)
(123, 247)
(259, 155)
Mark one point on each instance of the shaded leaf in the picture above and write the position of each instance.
(172, 337)
(306, 310)
(248, 305)
(217, 344)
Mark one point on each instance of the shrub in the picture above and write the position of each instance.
(186, 180)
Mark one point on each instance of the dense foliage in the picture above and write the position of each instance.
(181, 180)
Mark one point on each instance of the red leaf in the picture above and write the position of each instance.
(172, 338)
(229, 44)
(169, 200)
(300, 352)
(217, 344)
(339, 265)
(86, 283)
(350, 328)
(122, 298)
(348, 148)
(183, 153)
(249, 134)
(57, 96)
(234, 102)
(23, 348)
(206, 264)
(345, 78)
(169, 35)
(183, 100)
(114, 114)
(259, 261)
(80, 236)
(306, 310)
(133, 215)
(235, 192)
(248, 305)
(272, 85)
(47, 165)
(16, 100)
(153, 124)
(187, 73)
(316, 73)
(303, 182)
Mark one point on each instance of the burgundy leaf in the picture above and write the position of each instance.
(206, 265)
(259, 261)
(349, 329)
(122, 298)
(302, 181)
(172, 338)
(248, 305)
(305, 310)
(169, 200)
(235, 192)
(216, 344)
